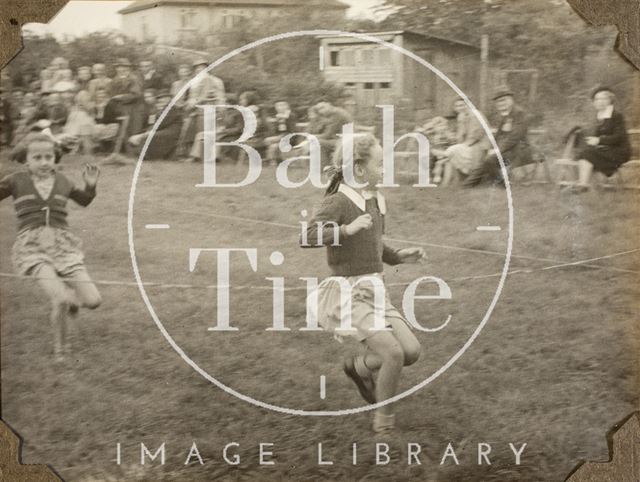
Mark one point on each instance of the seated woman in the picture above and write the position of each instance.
(440, 139)
(607, 143)
(470, 145)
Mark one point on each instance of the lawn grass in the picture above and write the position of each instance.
(556, 365)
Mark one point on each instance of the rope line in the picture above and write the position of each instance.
(270, 288)
(406, 241)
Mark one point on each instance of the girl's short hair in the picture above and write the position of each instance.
(19, 153)
(362, 147)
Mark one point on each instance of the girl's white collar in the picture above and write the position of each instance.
(360, 200)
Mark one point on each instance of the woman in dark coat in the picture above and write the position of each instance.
(607, 143)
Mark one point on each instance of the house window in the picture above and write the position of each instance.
(334, 58)
(348, 57)
(187, 19)
(368, 86)
(367, 57)
(385, 85)
(232, 20)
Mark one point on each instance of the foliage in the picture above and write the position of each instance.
(546, 35)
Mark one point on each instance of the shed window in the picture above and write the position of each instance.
(334, 58)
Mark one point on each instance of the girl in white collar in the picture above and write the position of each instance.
(350, 223)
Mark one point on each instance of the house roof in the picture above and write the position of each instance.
(146, 4)
(408, 32)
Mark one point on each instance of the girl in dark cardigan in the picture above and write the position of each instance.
(44, 247)
(607, 145)
(355, 215)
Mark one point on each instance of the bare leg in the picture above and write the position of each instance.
(585, 169)
(389, 359)
(448, 174)
(82, 285)
(56, 290)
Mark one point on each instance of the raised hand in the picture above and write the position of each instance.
(90, 174)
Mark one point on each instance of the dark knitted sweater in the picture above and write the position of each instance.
(361, 253)
(32, 210)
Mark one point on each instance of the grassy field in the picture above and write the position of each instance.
(556, 366)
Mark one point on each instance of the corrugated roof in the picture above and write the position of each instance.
(145, 4)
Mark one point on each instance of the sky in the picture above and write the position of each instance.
(66, 22)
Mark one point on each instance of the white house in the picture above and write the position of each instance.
(173, 21)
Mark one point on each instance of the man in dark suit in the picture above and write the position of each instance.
(165, 138)
(509, 125)
(151, 79)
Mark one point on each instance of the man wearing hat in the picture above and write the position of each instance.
(509, 125)
(205, 86)
(207, 90)
(165, 138)
(126, 96)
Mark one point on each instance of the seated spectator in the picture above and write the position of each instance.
(83, 77)
(228, 129)
(165, 138)
(284, 123)
(250, 99)
(205, 86)
(126, 98)
(99, 81)
(333, 118)
(6, 118)
(52, 109)
(46, 80)
(440, 138)
(150, 107)
(315, 120)
(510, 125)
(184, 75)
(56, 67)
(470, 146)
(151, 79)
(80, 123)
(65, 82)
(100, 100)
(605, 145)
(207, 89)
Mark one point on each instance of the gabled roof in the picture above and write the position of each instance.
(145, 4)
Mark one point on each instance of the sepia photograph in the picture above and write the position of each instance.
(319, 240)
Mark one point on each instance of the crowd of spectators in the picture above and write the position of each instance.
(90, 112)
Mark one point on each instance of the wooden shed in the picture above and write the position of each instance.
(374, 74)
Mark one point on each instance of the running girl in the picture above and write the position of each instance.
(358, 257)
(45, 248)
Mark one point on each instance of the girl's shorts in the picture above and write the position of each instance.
(332, 306)
(56, 247)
